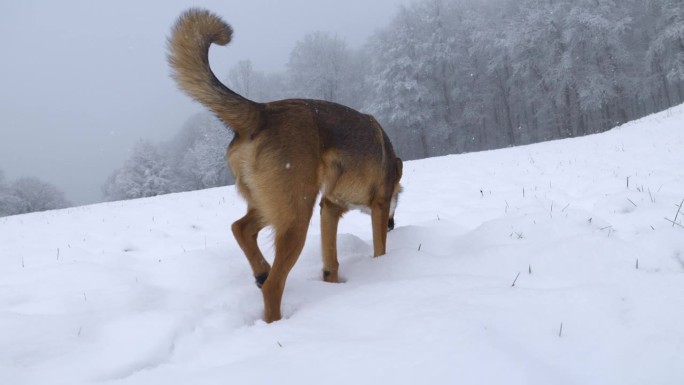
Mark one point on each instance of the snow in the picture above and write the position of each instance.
(492, 252)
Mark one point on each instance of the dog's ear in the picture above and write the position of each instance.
(400, 167)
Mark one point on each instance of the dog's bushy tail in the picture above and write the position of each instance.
(188, 55)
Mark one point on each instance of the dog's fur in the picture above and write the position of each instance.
(283, 154)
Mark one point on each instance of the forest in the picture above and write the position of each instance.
(450, 76)
(453, 76)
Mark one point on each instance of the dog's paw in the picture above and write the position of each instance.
(390, 224)
(329, 276)
(260, 279)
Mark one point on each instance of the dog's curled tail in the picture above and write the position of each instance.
(188, 55)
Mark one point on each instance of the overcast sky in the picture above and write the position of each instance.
(82, 81)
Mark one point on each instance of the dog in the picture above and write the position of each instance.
(283, 154)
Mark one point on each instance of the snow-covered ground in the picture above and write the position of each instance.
(546, 264)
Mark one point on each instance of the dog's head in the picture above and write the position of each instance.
(399, 168)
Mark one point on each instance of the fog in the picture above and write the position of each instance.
(82, 81)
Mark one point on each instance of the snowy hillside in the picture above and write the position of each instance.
(554, 263)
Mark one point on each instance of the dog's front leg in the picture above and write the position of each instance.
(379, 218)
(330, 217)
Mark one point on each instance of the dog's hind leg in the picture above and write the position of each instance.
(330, 217)
(379, 218)
(289, 243)
(246, 230)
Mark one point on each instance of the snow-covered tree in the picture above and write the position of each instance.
(203, 164)
(257, 85)
(401, 96)
(319, 68)
(10, 204)
(145, 174)
(241, 78)
(197, 155)
(665, 55)
(194, 159)
(27, 195)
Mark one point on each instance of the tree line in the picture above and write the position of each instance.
(452, 76)
(193, 160)
(28, 194)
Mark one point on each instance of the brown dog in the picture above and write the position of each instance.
(283, 154)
